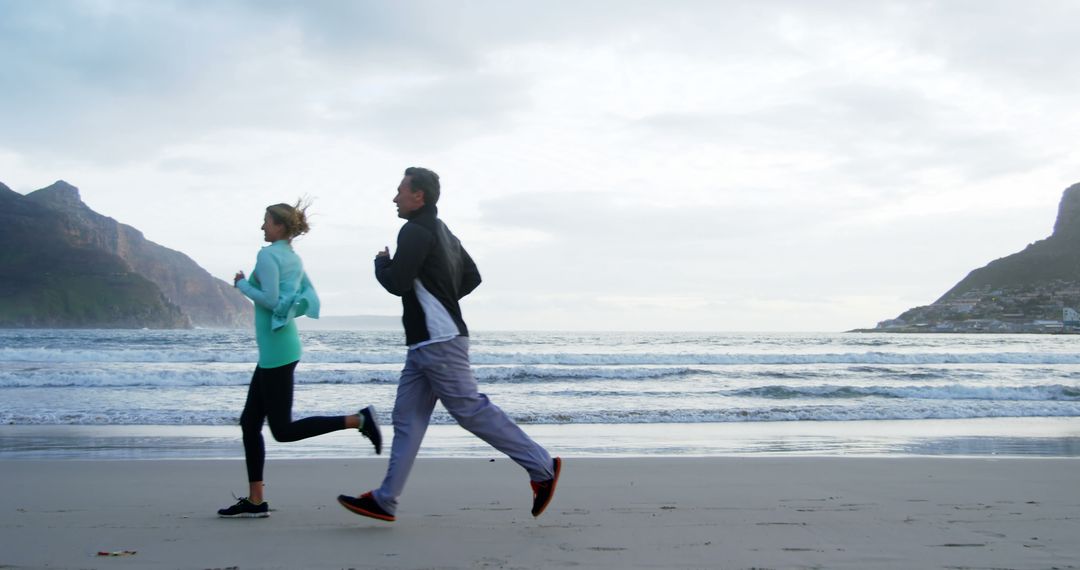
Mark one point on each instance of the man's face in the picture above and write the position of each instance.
(407, 201)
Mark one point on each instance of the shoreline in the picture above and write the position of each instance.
(980, 332)
(732, 513)
(986, 437)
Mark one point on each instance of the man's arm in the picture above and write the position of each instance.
(470, 275)
(396, 275)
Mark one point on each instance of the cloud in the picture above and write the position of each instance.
(119, 81)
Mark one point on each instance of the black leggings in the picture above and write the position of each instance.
(270, 396)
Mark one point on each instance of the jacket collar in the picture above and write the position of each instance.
(425, 210)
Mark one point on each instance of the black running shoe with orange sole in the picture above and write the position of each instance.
(365, 505)
(543, 491)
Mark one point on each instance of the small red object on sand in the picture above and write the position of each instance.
(117, 553)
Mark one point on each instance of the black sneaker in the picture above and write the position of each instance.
(365, 505)
(369, 428)
(543, 491)
(245, 509)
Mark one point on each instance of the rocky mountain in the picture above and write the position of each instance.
(73, 267)
(1054, 258)
(1035, 284)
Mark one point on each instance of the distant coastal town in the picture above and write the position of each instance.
(1044, 308)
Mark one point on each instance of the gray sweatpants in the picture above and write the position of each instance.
(441, 372)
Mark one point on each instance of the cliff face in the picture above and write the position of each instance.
(136, 282)
(1067, 225)
(52, 282)
(1054, 258)
(208, 301)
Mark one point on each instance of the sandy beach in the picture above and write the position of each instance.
(726, 512)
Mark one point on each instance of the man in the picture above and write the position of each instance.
(431, 272)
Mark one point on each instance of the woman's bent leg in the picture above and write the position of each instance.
(278, 398)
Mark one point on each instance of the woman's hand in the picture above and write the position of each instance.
(237, 278)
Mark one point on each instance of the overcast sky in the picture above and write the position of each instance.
(730, 166)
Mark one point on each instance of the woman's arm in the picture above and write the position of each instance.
(269, 275)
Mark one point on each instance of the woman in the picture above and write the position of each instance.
(281, 291)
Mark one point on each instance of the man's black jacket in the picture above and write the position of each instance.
(427, 250)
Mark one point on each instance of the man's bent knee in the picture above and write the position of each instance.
(467, 409)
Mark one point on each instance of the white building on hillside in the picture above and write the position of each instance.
(1070, 317)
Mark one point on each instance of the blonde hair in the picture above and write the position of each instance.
(294, 218)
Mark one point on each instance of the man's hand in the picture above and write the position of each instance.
(237, 278)
(384, 253)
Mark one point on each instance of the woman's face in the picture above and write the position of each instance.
(272, 231)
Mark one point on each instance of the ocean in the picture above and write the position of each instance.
(151, 394)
